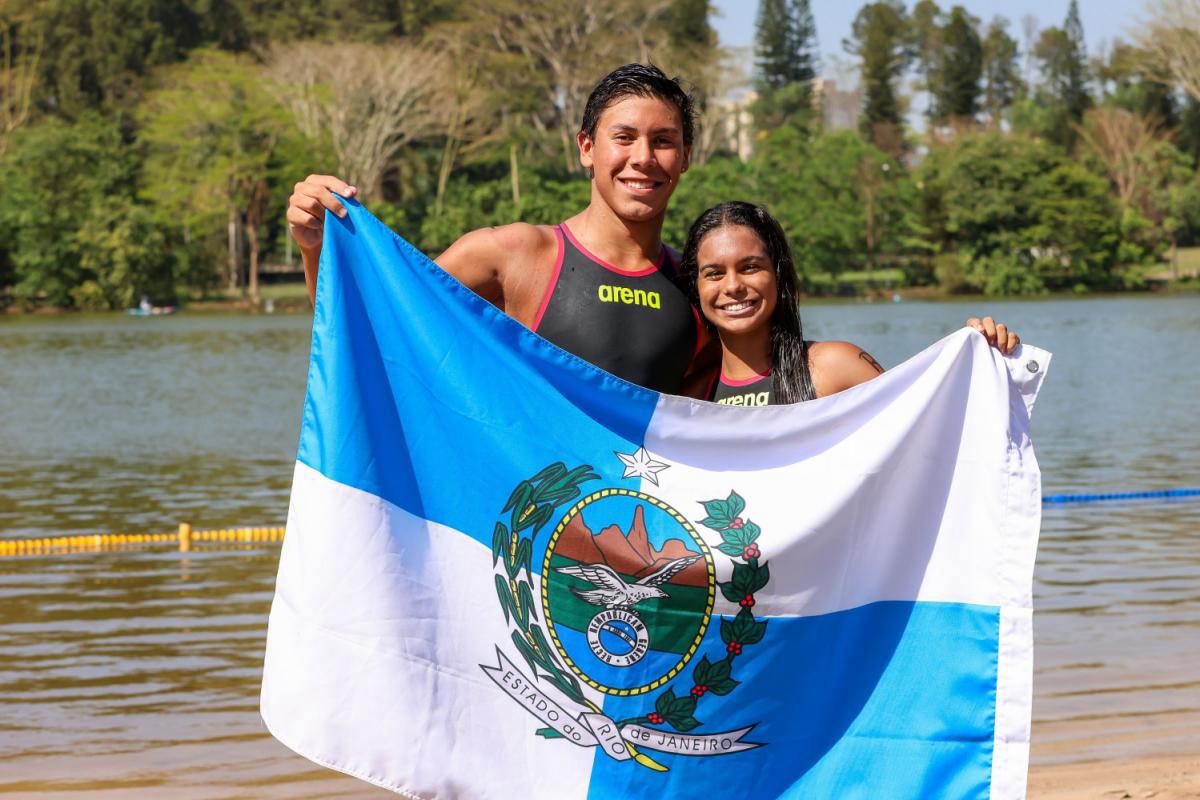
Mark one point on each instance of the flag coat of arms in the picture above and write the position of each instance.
(508, 574)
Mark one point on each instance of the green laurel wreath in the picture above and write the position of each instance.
(739, 542)
(531, 506)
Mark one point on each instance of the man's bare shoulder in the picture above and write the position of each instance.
(503, 242)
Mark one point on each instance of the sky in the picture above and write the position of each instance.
(1103, 20)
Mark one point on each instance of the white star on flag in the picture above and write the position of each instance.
(639, 464)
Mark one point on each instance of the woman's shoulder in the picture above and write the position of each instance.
(839, 365)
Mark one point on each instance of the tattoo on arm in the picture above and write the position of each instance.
(865, 356)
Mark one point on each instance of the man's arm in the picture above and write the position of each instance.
(480, 259)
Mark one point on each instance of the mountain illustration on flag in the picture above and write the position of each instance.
(628, 552)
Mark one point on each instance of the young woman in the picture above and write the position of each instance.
(738, 270)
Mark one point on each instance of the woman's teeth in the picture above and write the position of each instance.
(735, 307)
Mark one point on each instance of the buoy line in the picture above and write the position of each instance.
(183, 540)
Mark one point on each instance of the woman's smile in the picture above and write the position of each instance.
(736, 287)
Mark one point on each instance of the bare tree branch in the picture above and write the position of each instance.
(1171, 35)
(20, 51)
(1126, 144)
(371, 100)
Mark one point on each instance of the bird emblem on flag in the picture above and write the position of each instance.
(612, 592)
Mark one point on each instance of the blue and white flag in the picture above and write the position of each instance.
(510, 575)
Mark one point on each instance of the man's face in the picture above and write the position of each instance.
(637, 156)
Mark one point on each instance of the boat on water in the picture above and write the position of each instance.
(152, 311)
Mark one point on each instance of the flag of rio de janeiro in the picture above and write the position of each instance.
(508, 574)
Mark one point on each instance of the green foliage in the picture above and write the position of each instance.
(472, 204)
(688, 27)
(153, 132)
(95, 52)
(785, 62)
(881, 38)
(1126, 79)
(959, 68)
(216, 142)
(1021, 215)
(1062, 54)
(74, 234)
(842, 201)
(1001, 74)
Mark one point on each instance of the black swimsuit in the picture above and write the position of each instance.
(637, 325)
(753, 392)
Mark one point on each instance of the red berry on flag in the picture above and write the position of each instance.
(737, 524)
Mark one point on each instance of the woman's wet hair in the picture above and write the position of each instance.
(791, 378)
(638, 80)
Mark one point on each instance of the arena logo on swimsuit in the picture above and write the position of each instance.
(747, 399)
(630, 297)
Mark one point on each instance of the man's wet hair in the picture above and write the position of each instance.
(638, 80)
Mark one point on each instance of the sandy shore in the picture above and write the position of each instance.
(1144, 756)
(1157, 777)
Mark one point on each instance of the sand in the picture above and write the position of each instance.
(1159, 777)
(1142, 756)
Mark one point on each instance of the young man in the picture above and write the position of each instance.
(600, 285)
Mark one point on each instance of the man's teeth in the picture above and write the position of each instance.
(641, 184)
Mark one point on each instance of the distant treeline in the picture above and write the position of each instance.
(148, 147)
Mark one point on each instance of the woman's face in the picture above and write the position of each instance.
(736, 280)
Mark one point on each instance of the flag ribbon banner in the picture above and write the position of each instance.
(509, 574)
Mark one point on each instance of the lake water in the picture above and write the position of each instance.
(135, 675)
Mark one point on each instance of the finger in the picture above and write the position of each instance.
(1014, 342)
(989, 330)
(333, 184)
(308, 206)
(314, 199)
(974, 322)
(1001, 336)
(299, 217)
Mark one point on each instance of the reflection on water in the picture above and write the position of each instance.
(135, 675)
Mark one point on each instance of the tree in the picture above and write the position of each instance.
(461, 113)
(370, 100)
(844, 203)
(563, 47)
(1125, 144)
(1002, 82)
(1151, 176)
(70, 223)
(690, 35)
(97, 52)
(1126, 79)
(1019, 215)
(959, 67)
(926, 24)
(20, 50)
(214, 136)
(1062, 54)
(881, 40)
(785, 62)
(1171, 35)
